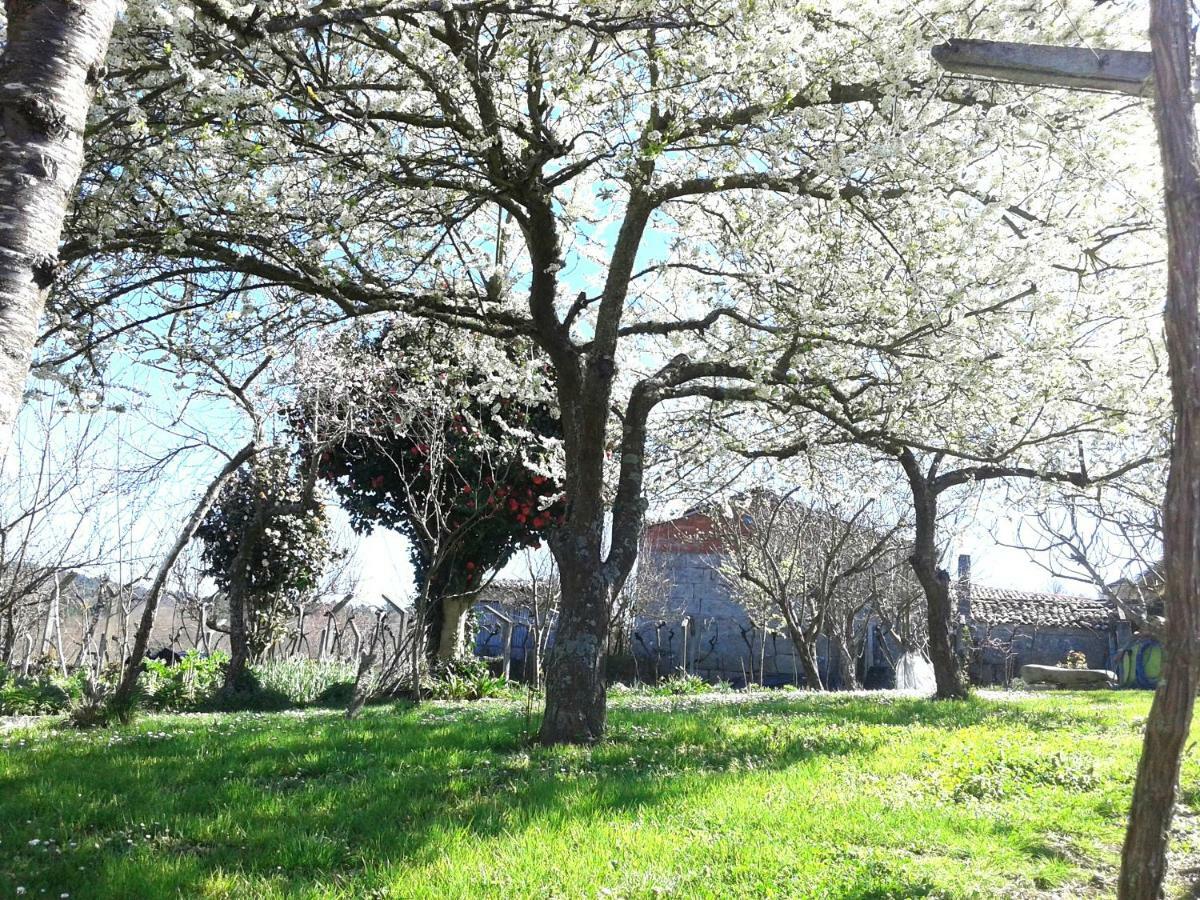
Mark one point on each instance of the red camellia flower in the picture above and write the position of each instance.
(377, 482)
(470, 566)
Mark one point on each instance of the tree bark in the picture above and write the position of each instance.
(940, 612)
(806, 652)
(51, 65)
(454, 620)
(845, 662)
(124, 692)
(812, 668)
(575, 672)
(1144, 856)
(239, 637)
(238, 594)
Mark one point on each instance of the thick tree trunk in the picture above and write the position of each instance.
(845, 662)
(575, 671)
(940, 611)
(239, 639)
(811, 666)
(124, 693)
(453, 625)
(1144, 857)
(575, 675)
(51, 64)
(238, 593)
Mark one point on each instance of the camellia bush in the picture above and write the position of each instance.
(437, 442)
(266, 544)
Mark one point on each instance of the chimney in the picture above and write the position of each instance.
(964, 585)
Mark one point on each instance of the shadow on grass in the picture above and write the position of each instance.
(313, 798)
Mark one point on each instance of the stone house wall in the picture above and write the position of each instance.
(1001, 650)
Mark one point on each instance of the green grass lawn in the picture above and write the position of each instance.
(723, 796)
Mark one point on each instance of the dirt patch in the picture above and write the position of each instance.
(1183, 863)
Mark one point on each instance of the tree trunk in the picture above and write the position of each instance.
(811, 665)
(575, 671)
(1144, 856)
(9, 644)
(575, 677)
(453, 625)
(805, 650)
(124, 692)
(48, 622)
(845, 663)
(239, 637)
(238, 593)
(940, 612)
(51, 64)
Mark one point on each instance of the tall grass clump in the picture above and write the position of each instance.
(307, 682)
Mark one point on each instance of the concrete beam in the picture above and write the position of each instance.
(1078, 68)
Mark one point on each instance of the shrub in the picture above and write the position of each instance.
(466, 678)
(305, 682)
(31, 697)
(190, 684)
(681, 684)
(38, 695)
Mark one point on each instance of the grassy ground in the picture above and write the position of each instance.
(868, 796)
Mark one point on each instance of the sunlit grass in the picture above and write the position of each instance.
(805, 796)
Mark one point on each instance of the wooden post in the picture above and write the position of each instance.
(506, 650)
(203, 642)
(1077, 68)
(685, 624)
(1168, 72)
(294, 650)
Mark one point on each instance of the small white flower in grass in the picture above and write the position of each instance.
(20, 890)
(34, 842)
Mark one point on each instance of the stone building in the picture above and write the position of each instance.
(692, 624)
(1010, 629)
(702, 630)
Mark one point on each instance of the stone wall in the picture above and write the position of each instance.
(1001, 650)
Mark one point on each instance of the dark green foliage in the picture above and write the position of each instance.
(428, 453)
(37, 695)
(267, 538)
(467, 678)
